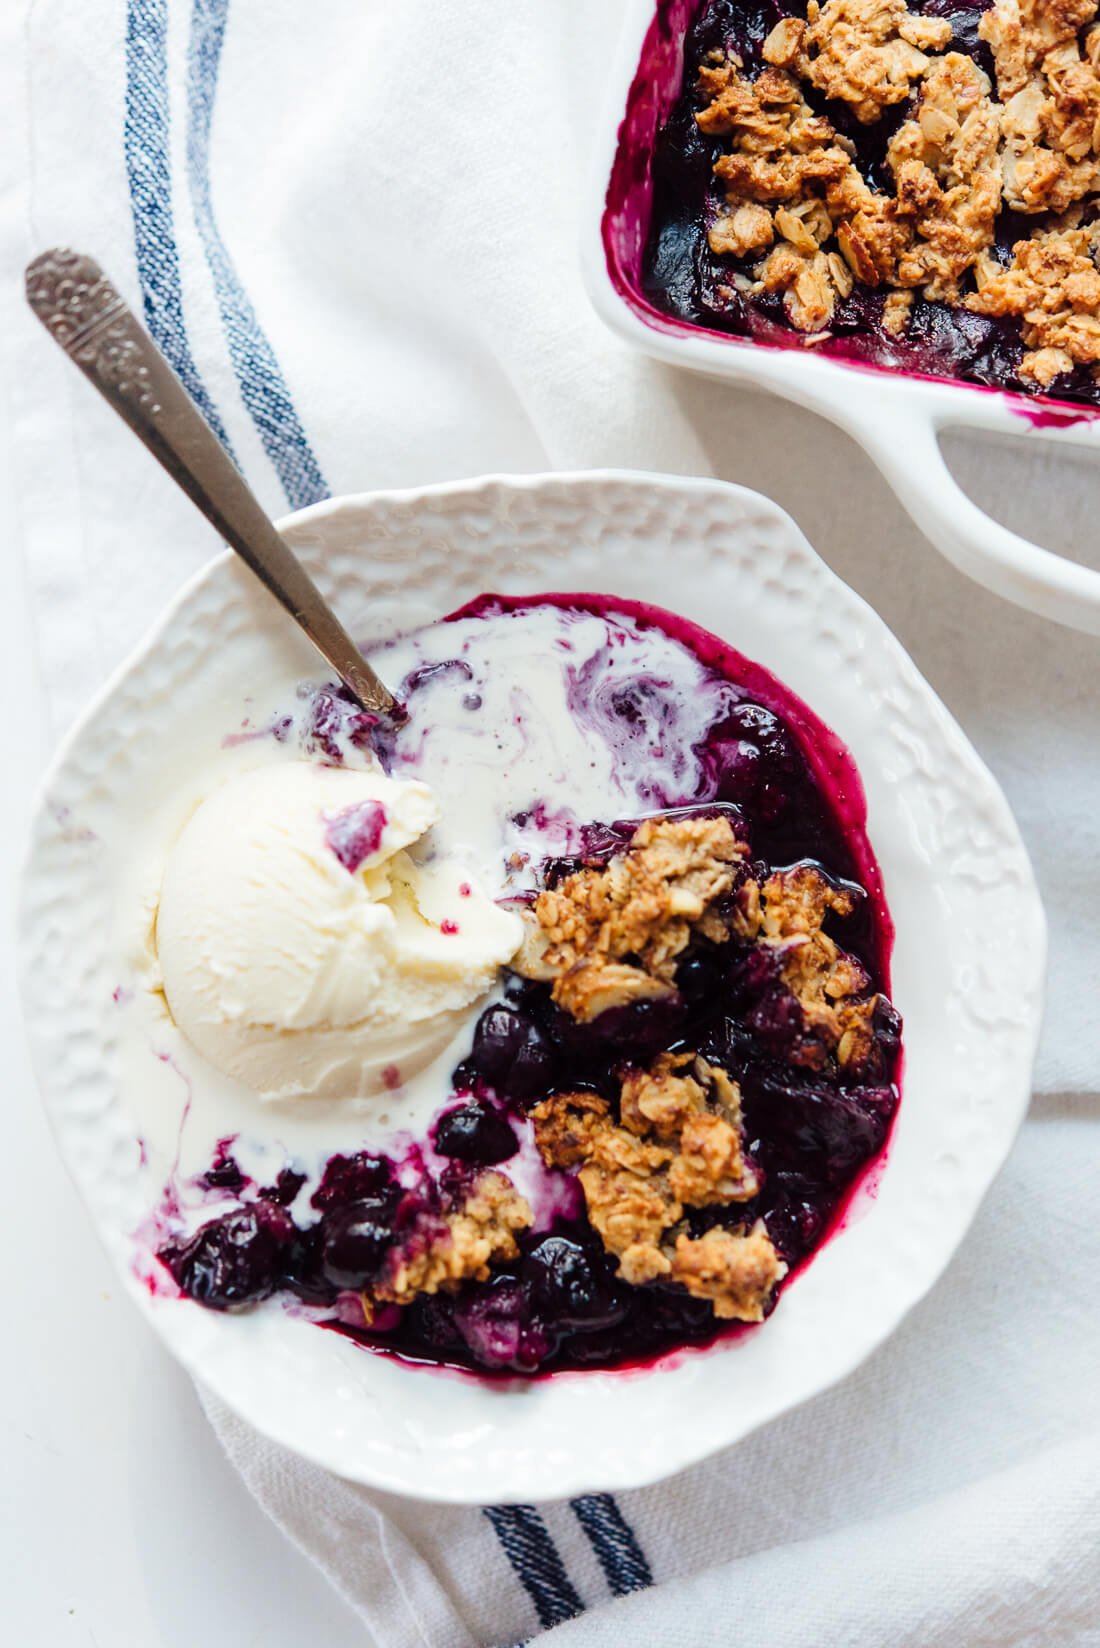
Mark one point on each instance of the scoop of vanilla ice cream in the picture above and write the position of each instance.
(303, 951)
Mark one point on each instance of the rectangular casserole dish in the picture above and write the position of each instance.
(895, 415)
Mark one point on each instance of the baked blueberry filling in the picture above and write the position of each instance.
(909, 187)
(693, 1061)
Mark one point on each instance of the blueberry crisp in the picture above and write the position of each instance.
(910, 185)
(665, 1104)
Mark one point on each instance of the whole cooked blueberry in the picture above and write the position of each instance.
(513, 1054)
(887, 1024)
(795, 1225)
(497, 1324)
(349, 1178)
(736, 769)
(224, 1174)
(635, 1031)
(475, 1133)
(754, 974)
(498, 1037)
(285, 1188)
(567, 1285)
(702, 973)
(432, 1319)
(964, 18)
(772, 801)
(763, 728)
(599, 841)
(232, 1261)
(818, 1133)
(533, 1068)
(355, 1241)
(779, 1024)
(301, 1267)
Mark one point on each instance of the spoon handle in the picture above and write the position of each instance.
(98, 330)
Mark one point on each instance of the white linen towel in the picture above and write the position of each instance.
(353, 229)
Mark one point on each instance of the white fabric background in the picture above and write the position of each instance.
(400, 188)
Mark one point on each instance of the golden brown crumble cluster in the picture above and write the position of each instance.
(785, 915)
(969, 149)
(1053, 286)
(676, 1145)
(1046, 56)
(866, 52)
(457, 1247)
(612, 936)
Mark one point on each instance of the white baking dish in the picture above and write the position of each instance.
(896, 416)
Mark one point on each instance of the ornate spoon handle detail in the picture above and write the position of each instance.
(78, 305)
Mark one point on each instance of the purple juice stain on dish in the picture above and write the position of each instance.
(72, 830)
(790, 788)
(354, 833)
(279, 729)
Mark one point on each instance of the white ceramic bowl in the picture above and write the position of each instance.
(895, 416)
(967, 969)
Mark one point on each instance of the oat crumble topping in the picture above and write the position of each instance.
(611, 936)
(808, 225)
(895, 312)
(1053, 286)
(786, 916)
(456, 1246)
(676, 1145)
(865, 52)
(1051, 116)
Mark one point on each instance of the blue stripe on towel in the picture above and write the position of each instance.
(528, 1546)
(263, 388)
(614, 1542)
(145, 145)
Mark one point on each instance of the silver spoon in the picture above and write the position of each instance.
(78, 305)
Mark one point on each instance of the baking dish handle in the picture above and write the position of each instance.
(905, 445)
